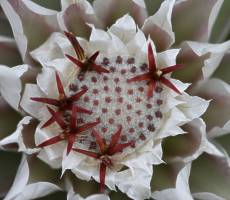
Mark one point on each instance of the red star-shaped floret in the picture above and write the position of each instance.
(82, 61)
(105, 152)
(70, 130)
(155, 74)
(63, 103)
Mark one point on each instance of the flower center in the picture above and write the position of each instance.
(157, 74)
(118, 103)
(106, 160)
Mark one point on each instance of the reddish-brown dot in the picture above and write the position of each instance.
(158, 114)
(130, 60)
(123, 71)
(116, 80)
(133, 145)
(81, 77)
(108, 99)
(141, 89)
(95, 102)
(149, 117)
(104, 110)
(111, 120)
(66, 117)
(129, 106)
(73, 87)
(105, 61)
(118, 111)
(104, 129)
(81, 140)
(131, 130)
(118, 89)
(95, 91)
(94, 79)
(159, 102)
(141, 124)
(133, 69)
(149, 106)
(142, 136)
(86, 99)
(112, 69)
(120, 100)
(62, 136)
(139, 112)
(138, 99)
(84, 87)
(128, 118)
(105, 78)
(93, 145)
(130, 92)
(106, 88)
(144, 67)
(159, 89)
(151, 127)
(80, 121)
(119, 60)
(124, 138)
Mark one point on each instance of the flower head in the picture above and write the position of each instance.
(104, 105)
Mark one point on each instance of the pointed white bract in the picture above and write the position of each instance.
(18, 138)
(159, 26)
(182, 190)
(216, 52)
(23, 190)
(218, 92)
(10, 84)
(19, 14)
(197, 127)
(85, 5)
(200, 22)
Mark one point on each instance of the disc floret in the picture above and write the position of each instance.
(156, 75)
(105, 152)
(64, 102)
(82, 61)
(70, 130)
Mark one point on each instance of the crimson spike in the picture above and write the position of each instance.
(63, 103)
(156, 75)
(82, 61)
(105, 152)
(71, 131)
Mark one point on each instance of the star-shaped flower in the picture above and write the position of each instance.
(63, 103)
(106, 151)
(70, 129)
(82, 61)
(156, 75)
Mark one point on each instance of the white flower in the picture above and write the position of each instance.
(110, 94)
(10, 85)
(104, 102)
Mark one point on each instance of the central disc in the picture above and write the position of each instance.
(116, 102)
